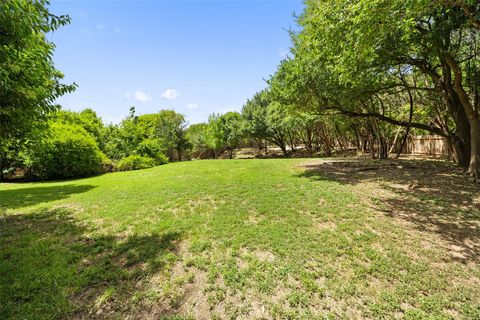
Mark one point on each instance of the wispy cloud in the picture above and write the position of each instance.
(100, 26)
(141, 96)
(192, 106)
(227, 109)
(170, 94)
(127, 95)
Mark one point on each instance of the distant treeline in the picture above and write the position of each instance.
(363, 74)
(76, 144)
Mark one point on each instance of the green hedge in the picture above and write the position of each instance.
(67, 152)
(135, 162)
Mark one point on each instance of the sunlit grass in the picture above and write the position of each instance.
(221, 239)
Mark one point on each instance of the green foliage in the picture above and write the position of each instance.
(268, 118)
(68, 151)
(215, 135)
(255, 113)
(152, 148)
(87, 119)
(159, 136)
(198, 137)
(166, 126)
(29, 82)
(135, 162)
(231, 125)
(224, 132)
(369, 58)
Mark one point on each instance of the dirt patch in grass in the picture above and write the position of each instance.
(433, 197)
(208, 201)
(261, 255)
(325, 225)
(185, 290)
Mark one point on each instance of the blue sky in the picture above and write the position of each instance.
(196, 57)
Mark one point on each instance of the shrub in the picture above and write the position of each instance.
(160, 159)
(67, 152)
(135, 162)
(107, 164)
(152, 148)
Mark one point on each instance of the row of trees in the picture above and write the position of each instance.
(362, 74)
(388, 64)
(74, 144)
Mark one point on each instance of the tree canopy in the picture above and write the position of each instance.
(29, 81)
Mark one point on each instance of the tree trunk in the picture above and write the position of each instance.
(292, 142)
(410, 118)
(474, 166)
(259, 143)
(461, 140)
(308, 142)
(372, 148)
(383, 148)
(328, 150)
(394, 143)
(382, 143)
(473, 119)
(3, 165)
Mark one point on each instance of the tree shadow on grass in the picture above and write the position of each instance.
(435, 196)
(52, 267)
(26, 197)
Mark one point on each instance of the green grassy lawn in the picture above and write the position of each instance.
(251, 239)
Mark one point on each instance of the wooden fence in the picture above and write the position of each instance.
(430, 145)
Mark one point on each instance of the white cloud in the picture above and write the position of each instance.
(192, 106)
(100, 26)
(227, 109)
(127, 95)
(170, 94)
(141, 96)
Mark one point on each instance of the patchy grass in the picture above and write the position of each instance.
(251, 239)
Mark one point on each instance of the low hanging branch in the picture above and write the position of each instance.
(353, 114)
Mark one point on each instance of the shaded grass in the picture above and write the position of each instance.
(230, 239)
(51, 268)
(26, 196)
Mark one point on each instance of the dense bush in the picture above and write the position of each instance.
(68, 151)
(107, 164)
(152, 148)
(135, 162)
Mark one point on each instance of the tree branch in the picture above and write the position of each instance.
(417, 125)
